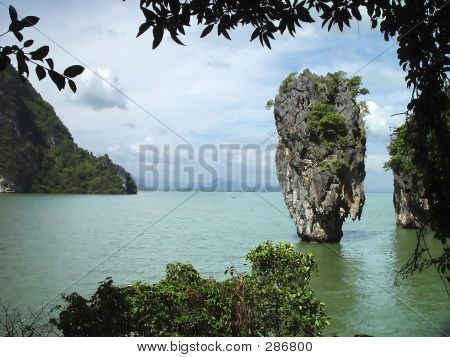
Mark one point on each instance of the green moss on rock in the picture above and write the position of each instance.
(328, 126)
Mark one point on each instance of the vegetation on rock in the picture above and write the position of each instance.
(410, 201)
(38, 151)
(70, 169)
(401, 152)
(320, 153)
(325, 124)
(269, 104)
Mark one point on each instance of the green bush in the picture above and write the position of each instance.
(400, 151)
(274, 299)
(332, 164)
(354, 84)
(338, 79)
(269, 104)
(329, 126)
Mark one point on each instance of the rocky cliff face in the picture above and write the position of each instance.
(320, 154)
(411, 206)
(125, 180)
(411, 210)
(37, 152)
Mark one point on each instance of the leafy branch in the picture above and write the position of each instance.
(40, 54)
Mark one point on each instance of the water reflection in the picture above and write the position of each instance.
(424, 292)
(356, 281)
(336, 283)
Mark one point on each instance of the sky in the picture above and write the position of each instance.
(211, 91)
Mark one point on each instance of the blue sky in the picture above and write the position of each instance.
(210, 91)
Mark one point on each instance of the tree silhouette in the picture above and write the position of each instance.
(25, 56)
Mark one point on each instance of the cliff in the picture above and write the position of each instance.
(411, 207)
(320, 154)
(38, 153)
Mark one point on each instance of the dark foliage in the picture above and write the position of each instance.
(274, 299)
(25, 56)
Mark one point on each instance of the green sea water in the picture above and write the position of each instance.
(55, 243)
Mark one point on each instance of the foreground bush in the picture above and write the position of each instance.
(274, 299)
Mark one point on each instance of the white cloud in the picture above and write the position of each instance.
(129, 125)
(113, 148)
(218, 64)
(96, 93)
(374, 163)
(387, 76)
(135, 147)
(380, 122)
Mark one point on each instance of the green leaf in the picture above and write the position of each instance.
(7, 50)
(50, 63)
(175, 6)
(144, 27)
(30, 21)
(173, 34)
(73, 71)
(303, 15)
(255, 34)
(58, 79)
(149, 14)
(18, 35)
(267, 41)
(356, 14)
(22, 66)
(40, 72)
(158, 33)
(207, 30)
(72, 86)
(226, 35)
(28, 43)
(12, 13)
(16, 26)
(40, 53)
(282, 25)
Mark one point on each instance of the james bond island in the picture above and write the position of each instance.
(320, 154)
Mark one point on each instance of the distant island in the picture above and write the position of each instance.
(38, 153)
